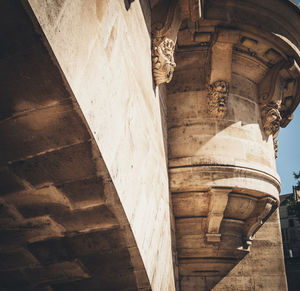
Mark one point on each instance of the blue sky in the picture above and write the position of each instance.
(288, 160)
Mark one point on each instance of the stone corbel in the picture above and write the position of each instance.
(166, 20)
(290, 93)
(270, 87)
(220, 71)
(218, 203)
(264, 209)
(279, 95)
(271, 117)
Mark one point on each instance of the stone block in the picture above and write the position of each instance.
(70, 163)
(84, 192)
(13, 280)
(26, 85)
(190, 204)
(30, 230)
(9, 182)
(67, 271)
(39, 131)
(18, 258)
(86, 219)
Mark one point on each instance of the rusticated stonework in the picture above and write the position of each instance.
(217, 99)
(163, 60)
(271, 117)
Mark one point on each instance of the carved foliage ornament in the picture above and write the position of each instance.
(271, 117)
(163, 60)
(217, 99)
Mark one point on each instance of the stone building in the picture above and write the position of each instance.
(290, 228)
(138, 143)
(290, 225)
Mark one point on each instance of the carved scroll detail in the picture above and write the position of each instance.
(264, 209)
(271, 117)
(267, 86)
(163, 60)
(217, 99)
(282, 82)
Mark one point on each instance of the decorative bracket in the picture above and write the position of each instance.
(220, 71)
(290, 94)
(218, 203)
(166, 20)
(269, 88)
(264, 209)
(279, 95)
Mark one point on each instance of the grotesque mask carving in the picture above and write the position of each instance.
(271, 117)
(217, 99)
(163, 60)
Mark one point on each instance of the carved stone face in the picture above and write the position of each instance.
(217, 98)
(163, 60)
(271, 118)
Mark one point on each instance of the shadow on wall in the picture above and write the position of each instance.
(188, 108)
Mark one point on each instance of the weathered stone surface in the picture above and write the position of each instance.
(264, 274)
(221, 127)
(122, 111)
(76, 78)
(61, 221)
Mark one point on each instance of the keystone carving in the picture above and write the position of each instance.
(163, 60)
(264, 209)
(217, 99)
(271, 117)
